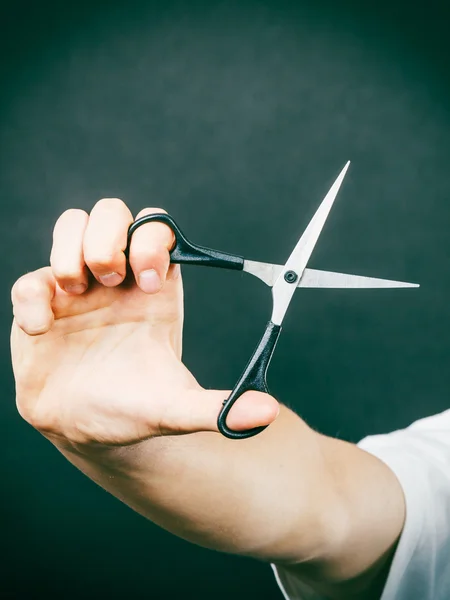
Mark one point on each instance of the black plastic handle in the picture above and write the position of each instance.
(184, 251)
(253, 378)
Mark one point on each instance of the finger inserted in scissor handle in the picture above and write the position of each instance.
(184, 251)
(253, 378)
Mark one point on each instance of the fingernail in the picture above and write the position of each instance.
(149, 281)
(111, 279)
(77, 288)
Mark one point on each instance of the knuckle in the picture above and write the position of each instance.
(157, 237)
(150, 211)
(69, 221)
(110, 204)
(98, 260)
(148, 254)
(25, 288)
(72, 213)
(66, 273)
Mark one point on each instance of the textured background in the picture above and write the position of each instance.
(235, 117)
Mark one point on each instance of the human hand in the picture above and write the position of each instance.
(96, 345)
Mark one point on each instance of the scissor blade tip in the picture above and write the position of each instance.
(409, 285)
(341, 175)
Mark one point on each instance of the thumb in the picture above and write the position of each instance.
(201, 409)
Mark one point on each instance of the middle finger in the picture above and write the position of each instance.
(105, 240)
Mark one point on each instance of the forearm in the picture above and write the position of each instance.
(243, 496)
(289, 496)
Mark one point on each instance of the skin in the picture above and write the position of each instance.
(96, 353)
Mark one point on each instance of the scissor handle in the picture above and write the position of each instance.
(254, 375)
(253, 378)
(184, 251)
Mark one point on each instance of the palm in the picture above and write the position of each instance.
(109, 370)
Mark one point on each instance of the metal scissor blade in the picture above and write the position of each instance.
(313, 278)
(327, 279)
(284, 286)
(264, 271)
(303, 250)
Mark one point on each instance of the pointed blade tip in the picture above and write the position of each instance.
(403, 284)
(406, 284)
(340, 178)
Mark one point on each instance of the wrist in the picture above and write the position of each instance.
(124, 460)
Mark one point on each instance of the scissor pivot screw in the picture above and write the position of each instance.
(290, 276)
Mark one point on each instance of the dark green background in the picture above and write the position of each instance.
(235, 117)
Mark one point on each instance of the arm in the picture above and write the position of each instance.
(97, 365)
(322, 508)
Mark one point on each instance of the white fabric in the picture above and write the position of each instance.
(420, 457)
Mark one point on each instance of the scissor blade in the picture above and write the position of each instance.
(264, 271)
(303, 250)
(313, 278)
(327, 279)
(283, 290)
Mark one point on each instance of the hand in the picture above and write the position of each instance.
(96, 349)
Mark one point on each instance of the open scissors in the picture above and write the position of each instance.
(283, 280)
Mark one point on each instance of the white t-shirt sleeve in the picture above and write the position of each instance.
(420, 458)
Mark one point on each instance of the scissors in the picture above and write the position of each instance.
(283, 280)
